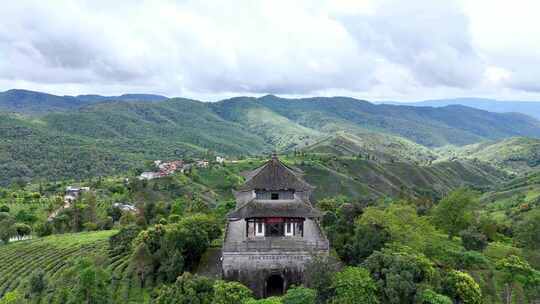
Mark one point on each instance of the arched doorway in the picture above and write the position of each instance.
(274, 285)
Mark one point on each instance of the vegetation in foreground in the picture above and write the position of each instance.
(466, 246)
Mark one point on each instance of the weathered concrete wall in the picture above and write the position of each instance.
(253, 268)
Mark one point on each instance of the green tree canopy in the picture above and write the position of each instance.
(353, 285)
(230, 293)
(462, 288)
(319, 273)
(399, 274)
(402, 224)
(431, 297)
(188, 289)
(84, 282)
(37, 283)
(12, 297)
(299, 295)
(528, 231)
(454, 212)
(517, 271)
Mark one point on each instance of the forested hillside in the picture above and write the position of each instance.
(531, 108)
(38, 103)
(103, 137)
(517, 155)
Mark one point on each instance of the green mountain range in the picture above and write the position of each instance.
(38, 103)
(531, 108)
(76, 137)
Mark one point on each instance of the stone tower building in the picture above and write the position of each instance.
(273, 231)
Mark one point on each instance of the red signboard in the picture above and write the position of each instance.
(273, 220)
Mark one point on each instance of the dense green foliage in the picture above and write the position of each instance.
(353, 285)
(162, 253)
(300, 295)
(385, 227)
(517, 155)
(454, 213)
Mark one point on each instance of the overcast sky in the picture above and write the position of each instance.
(375, 50)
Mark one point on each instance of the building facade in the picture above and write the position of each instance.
(273, 231)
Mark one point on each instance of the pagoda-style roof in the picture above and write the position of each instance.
(274, 175)
(274, 208)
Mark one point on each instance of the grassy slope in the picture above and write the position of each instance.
(381, 146)
(518, 154)
(361, 178)
(276, 129)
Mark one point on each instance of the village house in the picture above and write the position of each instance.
(273, 231)
(70, 195)
(73, 193)
(124, 207)
(168, 168)
(164, 169)
(149, 175)
(202, 163)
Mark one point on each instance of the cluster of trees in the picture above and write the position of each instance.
(350, 285)
(413, 252)
(81, 215)
(161, 253)
(41, 206)
(13, 226)
(157, 256)
(407, 251)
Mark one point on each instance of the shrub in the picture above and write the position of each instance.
(399, 274)
(454, 212)
(187, 289)
(230, 293)
(300, 295)
(271, 300)
(174, 218)
(473, 240)
(13, 297)
(353, 285)
(43, 229)
(528, 231)
(22, 230)
(431, 297)
(319, 273)
(37, 283)
(462, 288)
(7, 230)
(121, 242)
(90, 226)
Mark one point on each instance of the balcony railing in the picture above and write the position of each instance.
(275, 244)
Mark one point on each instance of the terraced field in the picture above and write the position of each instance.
(124, 284)
(18, 260)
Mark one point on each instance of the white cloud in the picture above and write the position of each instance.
(212, 49)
